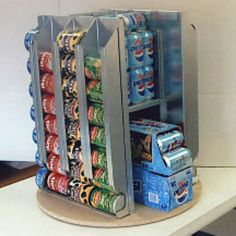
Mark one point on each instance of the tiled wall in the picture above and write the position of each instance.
(214, 20)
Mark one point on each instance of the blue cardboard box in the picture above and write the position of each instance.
(144, 141)
(164, 193)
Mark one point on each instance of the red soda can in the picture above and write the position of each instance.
(52, 143)
(50, 124)
(47, 83)
(54, 164)
(49, 105)
(45, 62)
(71, 109)
(58, 183)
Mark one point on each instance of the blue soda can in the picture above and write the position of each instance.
(133, 20)
(41, 178)
(30, 89)
(137, 89)
(28, 65)
(178, 158)
(129, 85)
(34, 136)
(147, 38)
(37, 160)
(29, 37)
(149, 82)
(170, 140)
(32, 113)
(135, 49)
(126, 53)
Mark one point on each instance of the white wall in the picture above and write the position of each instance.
(214, 20)
(17, 17)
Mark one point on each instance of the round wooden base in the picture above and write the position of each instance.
(68, 211)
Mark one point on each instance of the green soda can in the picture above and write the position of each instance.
(101, 175)
(96, 114)
(97, 136)
(99, 158)
(92, 68)
(94, 90)
(107, 201)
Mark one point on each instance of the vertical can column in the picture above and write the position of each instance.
(28, 43)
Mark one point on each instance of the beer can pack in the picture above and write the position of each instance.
(101, 175)
(73, 130)
(137, 93)
(38, 159)
(54, 164)
(45, 62)
(96, 114)
(71, 108)
(94, 90)
(69, 87)
(47, 83)
(29, 38)
(30, 89)
(99, 159)
(147, 39)
(58, 183)
(170, 140)
(50, 124)
(92, 68)
(48, 102)
(97, 136)
(32, 113)
(68, 65)
(107, 201)
(133, 20)
(176, 159)
(35, 136)
(149, 82)
(67, 40)
(28, 65)
(135, 49)
(52, 143)
(41, 177)
(74, 150)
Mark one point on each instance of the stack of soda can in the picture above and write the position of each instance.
(74, 184)
(139, 58)
(66, 41)
(28, 43)
(96, 119)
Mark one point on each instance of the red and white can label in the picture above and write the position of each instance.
(52, 143)
(50, 124)
(58, 183)
(54, 164)
(49, 105)
(45, 62)
(47, 83)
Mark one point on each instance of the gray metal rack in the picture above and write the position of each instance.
(105, 38)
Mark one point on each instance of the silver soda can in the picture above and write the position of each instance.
(170, 140)
(178, 158)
